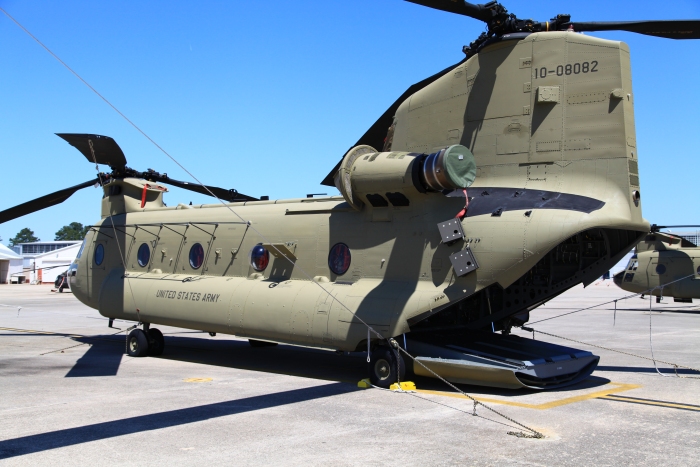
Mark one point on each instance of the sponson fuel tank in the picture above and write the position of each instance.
(293, 311)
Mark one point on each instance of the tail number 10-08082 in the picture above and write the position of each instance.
(568, 69)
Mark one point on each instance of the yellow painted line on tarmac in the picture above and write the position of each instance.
(637, 400)
(616, 387)
(197, 380)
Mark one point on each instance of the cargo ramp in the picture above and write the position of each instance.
(496, 360)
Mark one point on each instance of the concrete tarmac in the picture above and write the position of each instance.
(69, 396)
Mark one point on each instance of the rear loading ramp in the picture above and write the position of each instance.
(502, 361)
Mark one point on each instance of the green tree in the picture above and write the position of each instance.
(26, 235)
(72, 231)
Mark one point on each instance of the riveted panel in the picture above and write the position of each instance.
(495, 63)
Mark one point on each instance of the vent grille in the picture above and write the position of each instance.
(634, 167)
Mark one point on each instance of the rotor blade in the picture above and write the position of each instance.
(656, 228)
(43, 202)
(222, 193)
(107, 151)
(670, 29)
(482, 12)
(377, 132)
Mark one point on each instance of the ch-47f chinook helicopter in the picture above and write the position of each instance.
(533, 131)
(664, 265)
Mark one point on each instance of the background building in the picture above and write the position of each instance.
(47, 266)
(10, 265)
(29, 251)
(693, 236)
(44, 261)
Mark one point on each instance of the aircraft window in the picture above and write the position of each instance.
(633, 265)
(196, 256)
(144, 255)
(99, 254)
(80, 252)
(629, 276)
(339, 258)
(660, 269)
(259, 258)
(698, 271)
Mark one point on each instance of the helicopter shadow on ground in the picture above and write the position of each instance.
(320, 364)
(101, 359)
(105, 355)
(315, 364)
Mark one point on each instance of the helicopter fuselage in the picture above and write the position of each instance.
(663, 267)
(549, 119)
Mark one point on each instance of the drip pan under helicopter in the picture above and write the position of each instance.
(490, 359)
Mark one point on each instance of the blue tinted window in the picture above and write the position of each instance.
(82, 246)
(99, 254)
(339, 258)
(144, 255)
(660, 269)
(196, 256)
(259, 258)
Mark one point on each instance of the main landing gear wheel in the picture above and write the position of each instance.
(137, 344)
(383, 365)
(157, 342)
(254, 343)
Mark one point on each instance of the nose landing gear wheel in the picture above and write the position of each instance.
(137, 344)
(157, 342)
(386, 366)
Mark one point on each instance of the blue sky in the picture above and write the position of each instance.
(265, 97)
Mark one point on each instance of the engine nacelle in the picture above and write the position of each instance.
(382, 178)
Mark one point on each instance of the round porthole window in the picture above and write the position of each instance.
(660, 269)
(99, 254)
(144, 255)
(196, 256)
(259, 258)
(339, 259)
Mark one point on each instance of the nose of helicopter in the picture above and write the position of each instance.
(617, 278)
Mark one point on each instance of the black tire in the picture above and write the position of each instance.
(383, 365)
(157, 342)
(408, 368)
(254, 343)
(137, 344)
